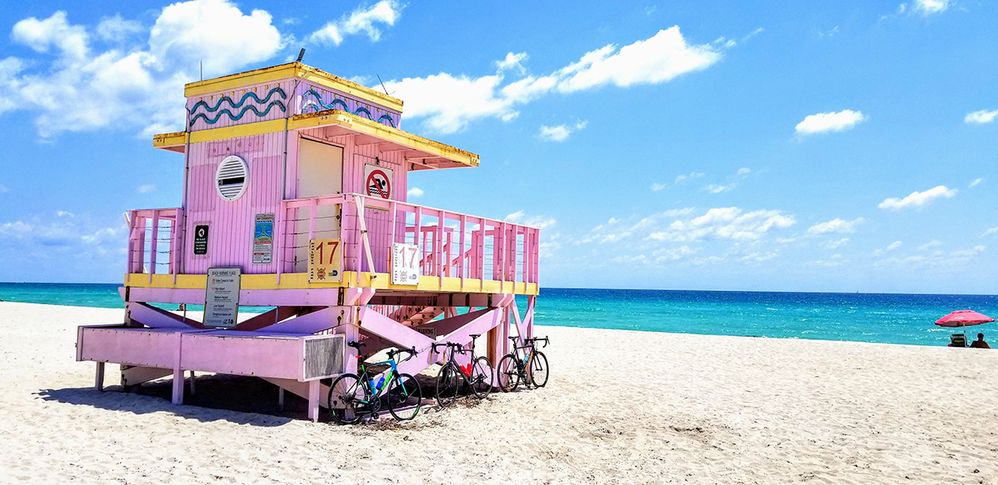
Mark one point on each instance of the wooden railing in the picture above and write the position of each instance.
(154, 237)
(450, 244)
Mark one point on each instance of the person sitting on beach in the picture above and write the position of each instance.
(979, 343)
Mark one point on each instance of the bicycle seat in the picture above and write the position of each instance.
(475, 336)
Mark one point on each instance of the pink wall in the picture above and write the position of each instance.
(230, 234)
(231, 222)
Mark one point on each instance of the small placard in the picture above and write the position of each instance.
(221, 300)
(325, 258)
(201, 239)
(263, 238)
(405, 264)
(378, 181)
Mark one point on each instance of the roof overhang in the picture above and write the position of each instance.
(422, 153)
(291, 70)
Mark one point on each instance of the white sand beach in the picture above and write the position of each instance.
(620, 407)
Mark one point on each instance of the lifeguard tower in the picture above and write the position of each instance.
(294, 198)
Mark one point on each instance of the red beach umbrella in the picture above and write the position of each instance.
(963, 318)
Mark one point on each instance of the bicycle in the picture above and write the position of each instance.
(477, 375)
(351, 395)
(532, 367)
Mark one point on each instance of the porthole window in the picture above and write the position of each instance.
(231, 177)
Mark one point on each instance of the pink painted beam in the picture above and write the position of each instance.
(157, 318)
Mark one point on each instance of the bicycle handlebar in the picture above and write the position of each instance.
(411, 351)
(355, 344)
(459, 348)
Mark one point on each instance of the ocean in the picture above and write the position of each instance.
(880, 318)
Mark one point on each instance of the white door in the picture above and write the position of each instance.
(320, 172)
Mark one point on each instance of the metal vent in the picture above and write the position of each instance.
(231, 177)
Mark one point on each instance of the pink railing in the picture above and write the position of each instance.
(153, 239)
(450, 244)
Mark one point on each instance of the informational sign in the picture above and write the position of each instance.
(325, 260)
(263, 239)
(405, 264)
(378, 181)
(221, 300)
(201, 239)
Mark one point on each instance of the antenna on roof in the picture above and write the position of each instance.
(301, 54)
(201, 69)
(383, 88)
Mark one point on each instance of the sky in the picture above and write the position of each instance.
(800, 146)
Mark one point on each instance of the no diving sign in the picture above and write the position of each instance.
(378, 181)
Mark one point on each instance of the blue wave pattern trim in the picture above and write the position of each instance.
(316, 104)
(236, 105)
(237, 116)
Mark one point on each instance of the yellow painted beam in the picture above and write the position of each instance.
(290, 70)
(359, 124)
(352, 122)
(351, 279)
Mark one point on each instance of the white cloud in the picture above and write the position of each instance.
(415, 192)
(918, 199)
(513, 61)
(837, 243)
(930, 7)
(889, 248)
(981, 117)
(832, 261)
(54, 32)
(718, 188)
(657, 187)
(837, 225)
(689, 176)
(449, 102)
(657, 59)
(538, 221)
(743, 171)
(364, 19)
(117, 28)
(725, 223)
(991, 231)
(933, 244)
(560, 133)
(62, 213)
(976, 182)
(146, 188)
(138, 88)
(829, 122)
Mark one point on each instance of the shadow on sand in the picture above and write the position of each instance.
(241, 400)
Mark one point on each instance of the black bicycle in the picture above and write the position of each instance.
(352, 396)
(476, 375)
(531, 366)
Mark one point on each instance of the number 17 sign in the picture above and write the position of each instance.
(325, 260)
(405, 264)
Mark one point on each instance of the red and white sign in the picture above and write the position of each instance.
(378, 181)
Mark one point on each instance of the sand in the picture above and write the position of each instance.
(620, 407)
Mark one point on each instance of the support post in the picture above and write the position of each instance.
(313, 400)
(193, 388)
(178, 386)
(99, 380)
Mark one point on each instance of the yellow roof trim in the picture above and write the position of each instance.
(354, 123)
(289, 70)
(168, 141)
(365, 126)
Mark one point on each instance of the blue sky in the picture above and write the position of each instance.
(841, 146)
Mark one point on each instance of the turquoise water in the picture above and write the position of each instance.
(883, 318)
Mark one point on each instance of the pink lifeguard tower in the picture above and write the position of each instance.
(294, 199)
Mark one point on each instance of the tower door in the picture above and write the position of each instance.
(320, 173)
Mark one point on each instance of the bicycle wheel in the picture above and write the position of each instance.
(539, 369)
(482, 377)
(448, 383)
(404, 397)
(347, 397)
(508, 374)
